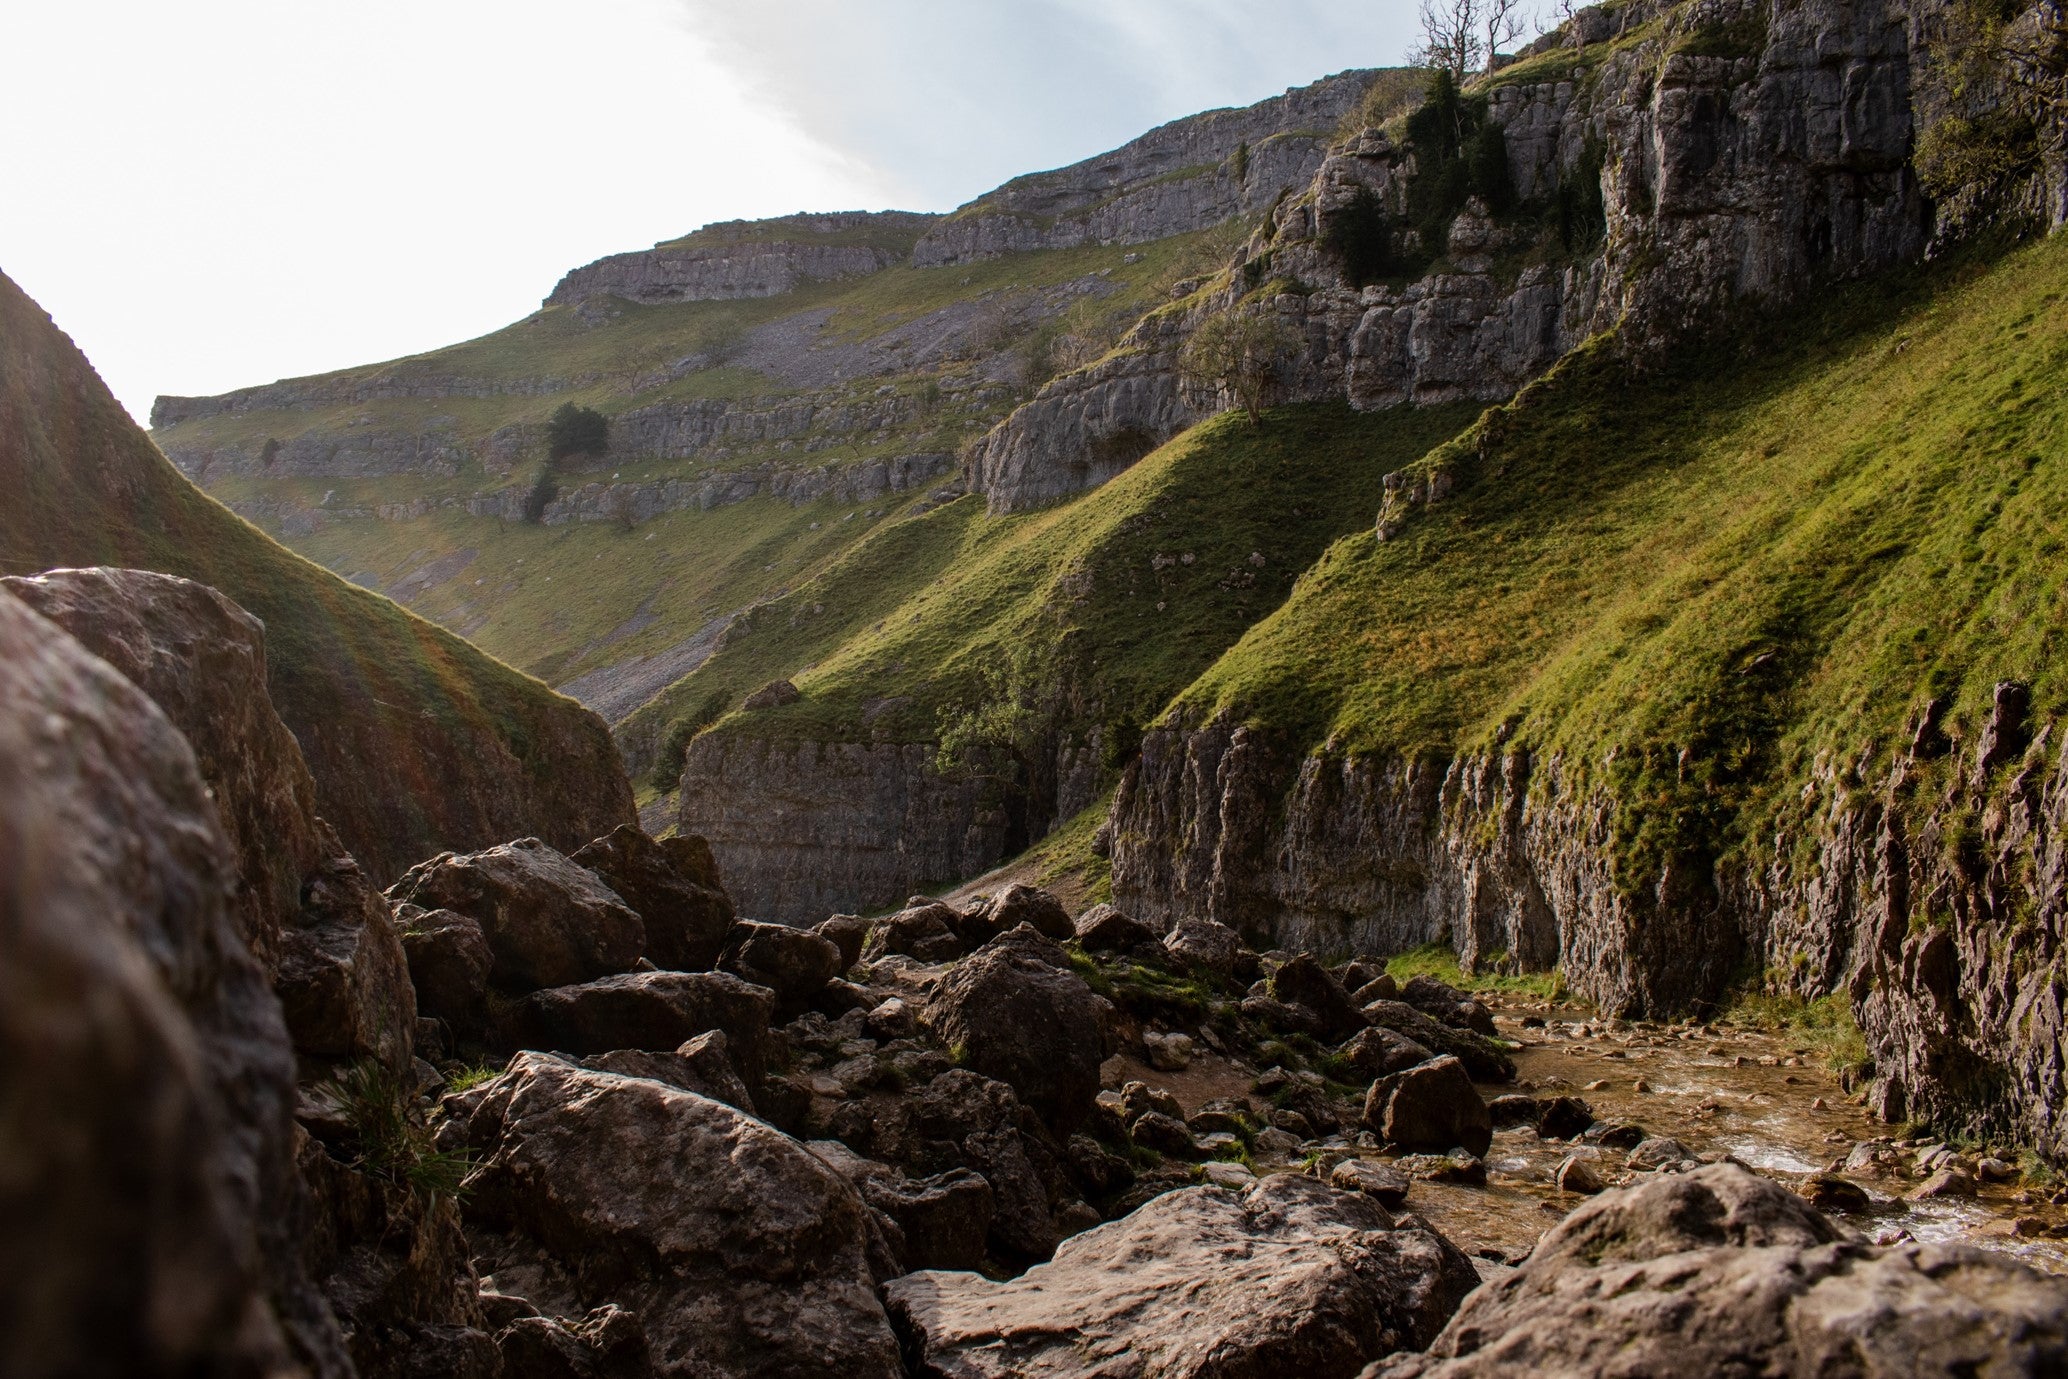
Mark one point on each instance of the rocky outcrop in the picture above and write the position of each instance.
(1725, 178)
(741, 1252)
(149, 1183)
(674, 885)
(1717, 1271)
(1186, 175)
(753, 258)
(1291, 1276)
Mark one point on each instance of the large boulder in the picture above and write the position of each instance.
(548, 922)
(449, 963)
(929, 932)
(1432, 1107)
(674, 886)
(1205, 945)
(146, 1147)
(1376, 1052)
(1482, 1057)
(703, 1065)
(1301, 981)
(963, 1120)
(1103, 928)
(1014, 1011)
(1719, 1271)
(1019, 904)
(318, 926)
(654, 1011)
(794, 963)
(941, 1221)
(741, 1252)
(1289, 1277)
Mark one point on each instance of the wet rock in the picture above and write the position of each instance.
(655, 1011)
(1103, 929)
(147, 1198)
(1514, 1109)
(1659, 1152)
(1564, 1118)
(1577, 1175)
(1015, 1011)
(1481, 1057)
(1448, 1004)
(673, 885)
(449, 963)
(1944, 1182)
(1021, 904)
(1431, 1106)
(1374, 1053)
(548, 922)
(1385, 1185)
(741, 1252)
(1624, 1137)
(1829, 1192)
(848, 933)
(1719, 1271)
(1289, 1276)
(1303, 982)
(1455, 1167)
(702, 1065)
(1205, 945)
(609, 1343)
(793, 963)
(929, 932)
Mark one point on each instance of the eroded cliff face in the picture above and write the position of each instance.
(749, 259)
(1931, 893)
(1744, 151)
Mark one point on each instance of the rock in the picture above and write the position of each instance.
(449, 963)
(1385, 1185)
(1577, 1175)
(942, 1220)
(1481, 1057)
(1373, 1053)
(1168, 1052)
(929, 932)
(655, 1011)
(1514, 1109)
(1164, 1134)
(1944, 1182)
(1014, 1011)
(1289, 1276)
(608, 1343)
(848, 933)
(772, 695)
(980, 1120)
(320, 929)
(1564, 1118)
(1020, 904)
(1659, 1152)
(1829, 1192)
(1303, 982)
(1103, 929)
(1454, 1167)
(1205, 945)
(149, 1196)
(702, 1065)
(1099, 1169)
(1228, 1175)
(793, 963)
(1274, 1143)
(1994, 1170)
(1721, 1272)
(1137, 1098)
(741, 1252)
(1379, 988)
(1448, 1004)
(1623, 1137)
(1431, 1106)
(673, 885)
(548, 922)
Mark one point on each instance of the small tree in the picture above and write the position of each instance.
(1504, 22)
(1450, 40)
(1359, 236)
(1242, 353)
(577, 431)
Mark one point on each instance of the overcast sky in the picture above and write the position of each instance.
(215, 193)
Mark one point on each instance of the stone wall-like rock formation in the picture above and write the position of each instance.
(762, 258)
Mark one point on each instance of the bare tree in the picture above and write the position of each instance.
(1450, 38)
(1505, 21)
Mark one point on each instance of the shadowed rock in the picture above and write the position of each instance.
(1017, 1013)
(674, 886)
(654, 1011)
(1431, 1106)
(548, 922)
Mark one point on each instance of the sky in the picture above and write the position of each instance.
(217, 193)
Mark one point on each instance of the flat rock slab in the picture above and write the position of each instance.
(1290, 1277)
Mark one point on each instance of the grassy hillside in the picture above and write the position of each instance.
(1700, 583)
(418, 741)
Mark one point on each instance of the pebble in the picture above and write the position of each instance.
(1598, 1085)
(1224, 1174)
(1577, 1175)
(1819, 1104)
(1640, 1085)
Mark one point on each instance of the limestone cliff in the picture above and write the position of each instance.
(763, 258)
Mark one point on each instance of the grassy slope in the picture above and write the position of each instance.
(1763, 556)
(911, 621)
(360, 680)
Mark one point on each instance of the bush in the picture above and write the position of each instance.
(544, 490)
(576, 431)
(1360, 239)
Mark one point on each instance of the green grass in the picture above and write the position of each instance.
(1764, 556)
(1438, 960)
(1825, 1025)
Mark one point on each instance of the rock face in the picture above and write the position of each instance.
(416, 741)
(1020, 1015)
(547, 921)
(740, 1251)
(149, 1177)
(1288, 1277)
(674, 885)
(1718, 1271)
(323, 933)
(762, 258)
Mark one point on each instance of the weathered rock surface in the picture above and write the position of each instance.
(1103, 928)
(673, 884)
(1204, 944)
(795, 964)
(1718, 1271)
(449, 964)
(1018, 1013)
(145, 1073)
(761, 258)
(1377, 1052)
(930, 933)
(1432, 1106)
(740, 1251)
(1302, 981)
(1289, 1277)
(654, 1011)
(703, 1065)
(548, 922)
(1019, 904)
(1481, 1056)
(941, 1220)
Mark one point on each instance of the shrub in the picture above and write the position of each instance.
(576, 431)
(390, 1139)
(1360, 239)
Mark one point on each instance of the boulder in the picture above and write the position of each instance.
(975, 1122)
(1014, 1011)
(449, 963)
(848, 933)
(548, 922)
(1379, 988)
(1448, 1004)
(1387, 1185)
(942, 1220)
(1303, 982)
(1481, 1056)
(1286, 1277)
(1103, 929)
(1659, 1152)
(673, 885)
(772, 695)
(1563, 1118)
(1431, 1106)
(147, 1176)
(793, 963)
(609, 1343)
(1719, 1271)
(1514, 1109)
(930, 932)
(316, 924)
(702, 1065)
(1829, 1192)
(1020, 904)
(741, 1252)
(1205, 945)
(655, 1011)
(1373, 1053)
(1575, 1174)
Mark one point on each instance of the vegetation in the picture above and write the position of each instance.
(389, 1136)
(1824, 1025)
(576, 430)
(1440, 961)
(1243, 353)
